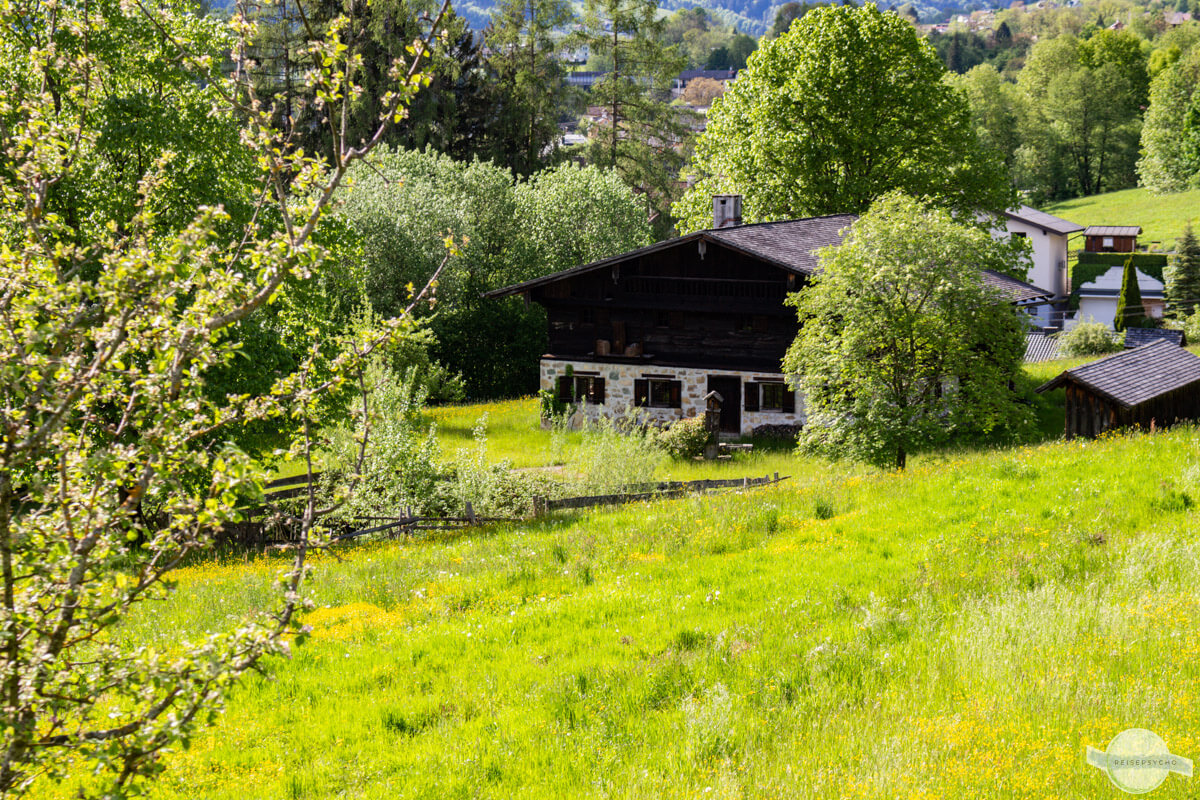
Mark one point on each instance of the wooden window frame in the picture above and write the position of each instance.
(762, 396)
(578, 388)
(649, 393)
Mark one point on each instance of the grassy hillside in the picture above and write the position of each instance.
(964, 629)
(1162, 217)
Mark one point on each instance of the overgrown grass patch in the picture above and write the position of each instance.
(964, 628)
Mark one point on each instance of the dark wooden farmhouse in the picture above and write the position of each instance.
(662, 326)
(1155, 384)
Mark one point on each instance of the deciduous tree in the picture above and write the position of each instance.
(844, 107)
(902, 345)
(117, 462)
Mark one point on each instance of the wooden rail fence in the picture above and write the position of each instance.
(408, 522)
(637, 492)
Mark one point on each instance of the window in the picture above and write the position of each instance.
(1107, 242)
(657, 393)
(1020, 235)
(770, 396)
(580, 389)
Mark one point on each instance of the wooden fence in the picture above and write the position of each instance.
(543, 505)
(270, 529)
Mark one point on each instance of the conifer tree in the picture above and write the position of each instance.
(1183, 279)
(1130, 312)
(643, 136)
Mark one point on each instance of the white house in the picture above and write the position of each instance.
(1098, 298)
(1048, 235)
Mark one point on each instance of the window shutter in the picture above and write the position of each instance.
(751, 390)
(789, 400)
(596, 396)
(676, 394)
(566, 389)
(641, 392)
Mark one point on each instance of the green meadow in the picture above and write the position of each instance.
(965, 628)
(1162, 216)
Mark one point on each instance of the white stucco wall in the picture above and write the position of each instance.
(618, 391)
(1047, 268)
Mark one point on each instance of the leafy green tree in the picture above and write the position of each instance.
(524, 59)
(1130, 311)
(1170, 143)
(902, 346)
(1085, 98)
(574, 215)
(1183, 278)
(995, 112)
(404, 205)
(642, 135)
(844, 107)
(116, 462)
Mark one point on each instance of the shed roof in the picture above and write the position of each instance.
(1112, 230)
(1135, 376)
(1040, 347)
(1040, 219)
(1136, 337)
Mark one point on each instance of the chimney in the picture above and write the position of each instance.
(727, 210)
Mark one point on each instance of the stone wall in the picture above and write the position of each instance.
(618, 391)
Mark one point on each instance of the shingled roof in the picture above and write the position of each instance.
(791, 245)
(1016, 291)
(1135, 376)
(1040, 219)
(1112, 230)
(1136, 337)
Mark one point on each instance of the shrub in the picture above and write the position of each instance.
(684, 438)
(1088, 339)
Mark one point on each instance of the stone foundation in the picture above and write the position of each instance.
(618, 391)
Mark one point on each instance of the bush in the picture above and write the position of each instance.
(684, 438)
(1088, 339)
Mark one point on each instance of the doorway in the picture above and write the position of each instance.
(730, 389)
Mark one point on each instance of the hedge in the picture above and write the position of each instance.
(1090, 266)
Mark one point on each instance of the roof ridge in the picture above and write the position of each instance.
(773, 222)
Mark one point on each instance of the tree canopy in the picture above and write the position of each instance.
(846, 105)
(902, 345)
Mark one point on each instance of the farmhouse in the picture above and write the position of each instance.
(660, 327)
(1155, 384)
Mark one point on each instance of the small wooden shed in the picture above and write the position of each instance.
(1158, 383)
(1111, 238)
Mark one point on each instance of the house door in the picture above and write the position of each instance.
(730, 389)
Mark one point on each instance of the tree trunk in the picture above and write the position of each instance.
(901, 458)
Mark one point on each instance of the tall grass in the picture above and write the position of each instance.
(962, 629)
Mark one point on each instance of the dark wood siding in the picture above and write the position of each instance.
(674, 307)
(1120, 244)
(1089, 414)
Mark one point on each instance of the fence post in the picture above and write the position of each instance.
(470, 513)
